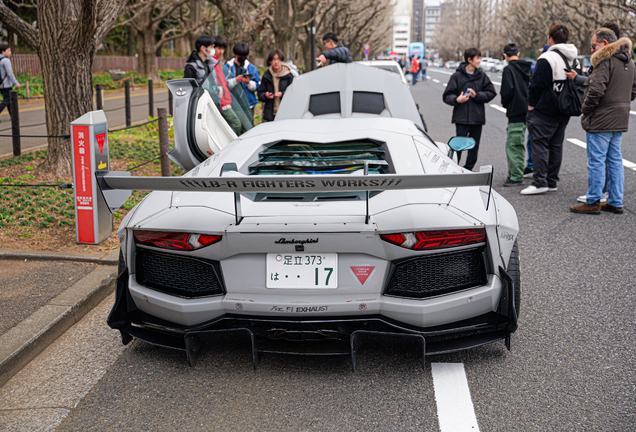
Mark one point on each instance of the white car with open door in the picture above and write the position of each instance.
(339, 220)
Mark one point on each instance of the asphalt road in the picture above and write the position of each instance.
(572, 364)
(33, 121)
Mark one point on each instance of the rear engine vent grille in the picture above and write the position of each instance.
(177, 274)
(437, 274)
(321, 158)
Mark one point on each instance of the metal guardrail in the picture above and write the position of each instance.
(15, 114)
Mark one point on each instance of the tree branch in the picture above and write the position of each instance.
(19, 26)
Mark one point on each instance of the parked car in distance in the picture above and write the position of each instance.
(499, 66)
(487, 64)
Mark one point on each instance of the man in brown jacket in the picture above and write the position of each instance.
(609, 90)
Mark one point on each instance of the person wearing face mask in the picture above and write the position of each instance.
(239, 65)
(275, 81)
(201, 61)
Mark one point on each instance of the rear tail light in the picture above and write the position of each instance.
(428, 240)
(174, 240)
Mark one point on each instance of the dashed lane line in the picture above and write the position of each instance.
(435, 80)
(498, 108)
(455, 410)
(577, 142)
(444, 84)
(627, 164)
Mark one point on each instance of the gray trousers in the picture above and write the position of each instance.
(546, 136)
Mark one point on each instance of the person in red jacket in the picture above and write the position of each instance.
(415, 68)
(227, 111)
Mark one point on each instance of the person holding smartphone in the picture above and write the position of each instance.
(275, 81)
(239, 65)
(467, 91)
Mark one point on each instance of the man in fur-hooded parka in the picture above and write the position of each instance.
(610, 87)
(608, 93)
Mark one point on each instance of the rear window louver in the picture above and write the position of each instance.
(287, 158)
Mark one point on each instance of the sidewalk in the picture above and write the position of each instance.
(38, 104)
(42, 294)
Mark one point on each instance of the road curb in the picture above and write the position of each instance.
(25, 341)
(111, 259)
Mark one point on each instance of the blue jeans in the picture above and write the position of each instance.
(529, 147)
(604, 158)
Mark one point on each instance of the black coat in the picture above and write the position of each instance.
(471, 112)
(514, 90)
(267, 85)
(339, 54)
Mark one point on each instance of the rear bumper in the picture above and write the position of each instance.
(323, 335)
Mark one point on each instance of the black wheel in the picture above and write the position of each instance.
(515, 273)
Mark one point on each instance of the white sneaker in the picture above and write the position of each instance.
(583, 198)
(533, 190)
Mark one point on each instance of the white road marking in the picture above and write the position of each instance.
(442, 72)
(455, 410)
(444, 84)
(428, 77)
(582, 144)
(435, 80)
(496, 83)
(499, 108)
(632, 112)
(578, 142)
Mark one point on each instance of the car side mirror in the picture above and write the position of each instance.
(461, 143)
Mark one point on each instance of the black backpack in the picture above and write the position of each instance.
(570, 100)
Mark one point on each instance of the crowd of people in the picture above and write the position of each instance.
(543, 102)
(540, 102)
(205, 65)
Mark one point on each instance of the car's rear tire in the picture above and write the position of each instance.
(515, 273)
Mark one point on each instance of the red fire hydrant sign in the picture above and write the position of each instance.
(94, 220)
(83, 184)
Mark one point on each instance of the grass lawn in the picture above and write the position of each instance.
(43, 218)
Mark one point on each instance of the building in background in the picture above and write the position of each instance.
(401, 34)
(417, 21)
(432, 14)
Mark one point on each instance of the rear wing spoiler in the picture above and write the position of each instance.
(112, 183)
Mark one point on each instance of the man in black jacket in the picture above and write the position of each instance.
(201, 60)
(514, 97)
(336, 52)
(546, 122)
(468, 89)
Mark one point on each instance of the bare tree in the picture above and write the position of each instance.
(243, 20)
(156, 22)
(68, 33)
(470, 23)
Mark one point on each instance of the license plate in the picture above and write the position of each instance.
(302, 271)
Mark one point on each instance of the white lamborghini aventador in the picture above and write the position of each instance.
(339, 220)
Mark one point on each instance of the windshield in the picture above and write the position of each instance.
(388, 68)
(218, 87)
